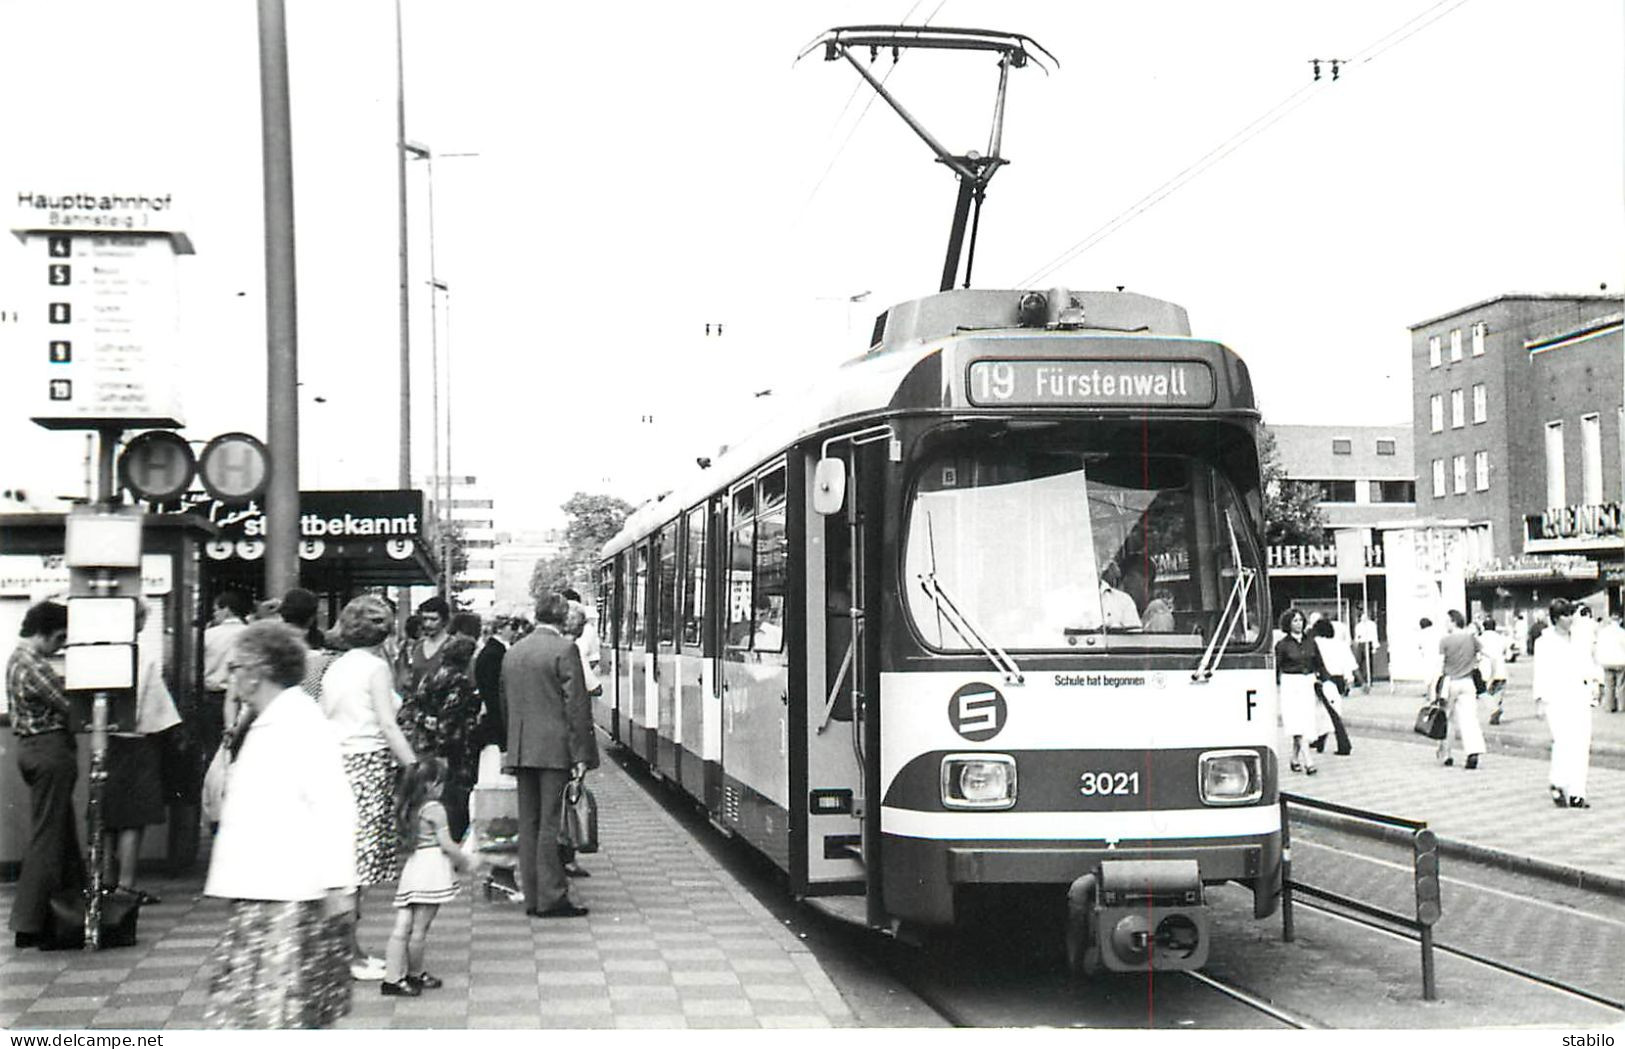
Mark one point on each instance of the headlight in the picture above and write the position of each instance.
(978, 781)
(1231, 777)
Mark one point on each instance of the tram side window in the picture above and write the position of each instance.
(741, 545)
(623, 587)
(640, 591)
(772, 560)
(606, 591)
(666, 596)
(693, 610)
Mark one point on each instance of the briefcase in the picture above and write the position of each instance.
(580, 817)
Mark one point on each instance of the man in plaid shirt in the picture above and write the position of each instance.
(45, 757)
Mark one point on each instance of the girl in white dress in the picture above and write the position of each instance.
(427, 880)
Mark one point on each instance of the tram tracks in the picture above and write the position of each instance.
(1253, 1002)
(1548, 982)
(1476, 903)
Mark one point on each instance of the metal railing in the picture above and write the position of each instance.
(1425, 865)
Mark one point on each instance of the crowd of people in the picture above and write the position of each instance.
(345, 759)
(1579, 664)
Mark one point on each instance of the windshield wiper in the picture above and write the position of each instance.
(1235, 610)
(967, 630)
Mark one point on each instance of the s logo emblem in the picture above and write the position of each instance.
(977, 711)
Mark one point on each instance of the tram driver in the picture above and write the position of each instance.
(1117, 609)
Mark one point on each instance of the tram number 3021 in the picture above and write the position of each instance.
(1097, 784)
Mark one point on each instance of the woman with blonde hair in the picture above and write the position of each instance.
(284, 857)
(358, 697)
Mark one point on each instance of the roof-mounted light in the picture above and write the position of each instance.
(1033, 309)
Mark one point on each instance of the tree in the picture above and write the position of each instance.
(592, 521)
(1292, 513)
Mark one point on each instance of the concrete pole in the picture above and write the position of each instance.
(281, 310)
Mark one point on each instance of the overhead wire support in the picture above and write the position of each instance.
(973, 171)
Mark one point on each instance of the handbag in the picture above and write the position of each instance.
(214, 784)
(1431, 721)
(65, 921)
(580, 817)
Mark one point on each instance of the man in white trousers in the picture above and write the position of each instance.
(1566, 682)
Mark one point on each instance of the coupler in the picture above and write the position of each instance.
(1138, 915)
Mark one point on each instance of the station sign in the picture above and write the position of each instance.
(234, 467)
(157, 465)
(1038, 383)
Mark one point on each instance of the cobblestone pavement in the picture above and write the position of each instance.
(672, 942)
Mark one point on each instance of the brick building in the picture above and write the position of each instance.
(1517, 410)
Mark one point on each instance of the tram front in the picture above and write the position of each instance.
(1075, 688)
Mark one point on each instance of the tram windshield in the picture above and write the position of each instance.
(1040, 548)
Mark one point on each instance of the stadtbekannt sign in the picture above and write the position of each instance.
(326, 515)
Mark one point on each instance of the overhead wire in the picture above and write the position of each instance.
(1247, 133)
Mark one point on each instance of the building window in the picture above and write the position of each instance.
(1433, 351)
(1385, 447)
(1455, 344)
(1555, 486)
(1342, 446)
(1480, 330)
(1481, 403)
(1458, 410)
(1335, 491)
(1591, 459)
(1438, 478)
(1458, 466)
(1393, 491)
(1481, 471)
(1436, 413)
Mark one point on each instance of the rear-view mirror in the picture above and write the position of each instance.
(829, 485)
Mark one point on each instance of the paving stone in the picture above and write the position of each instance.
(672, 943)
(132, 1016)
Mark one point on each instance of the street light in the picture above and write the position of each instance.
(440, 480)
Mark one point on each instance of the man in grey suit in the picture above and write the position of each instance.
(550, 738)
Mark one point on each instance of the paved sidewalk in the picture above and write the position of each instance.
(672, 942)
(1500, 813)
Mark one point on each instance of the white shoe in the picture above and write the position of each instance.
(367, 969)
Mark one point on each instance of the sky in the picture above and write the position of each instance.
(605, 186)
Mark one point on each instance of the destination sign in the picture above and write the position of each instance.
(1094, 383)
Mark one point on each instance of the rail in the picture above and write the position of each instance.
(1425, 866)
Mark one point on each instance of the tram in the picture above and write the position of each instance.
(985, 612)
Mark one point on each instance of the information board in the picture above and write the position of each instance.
(101, 330)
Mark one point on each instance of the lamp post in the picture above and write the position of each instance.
(440, 480)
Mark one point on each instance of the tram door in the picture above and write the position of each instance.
(829, 735)
(633, 665)
(698, 737)
(604, 712)
(755, 664)
(664, 671)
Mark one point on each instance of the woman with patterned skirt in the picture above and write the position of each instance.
(358, 697)
(284, 856)
(441, 719)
